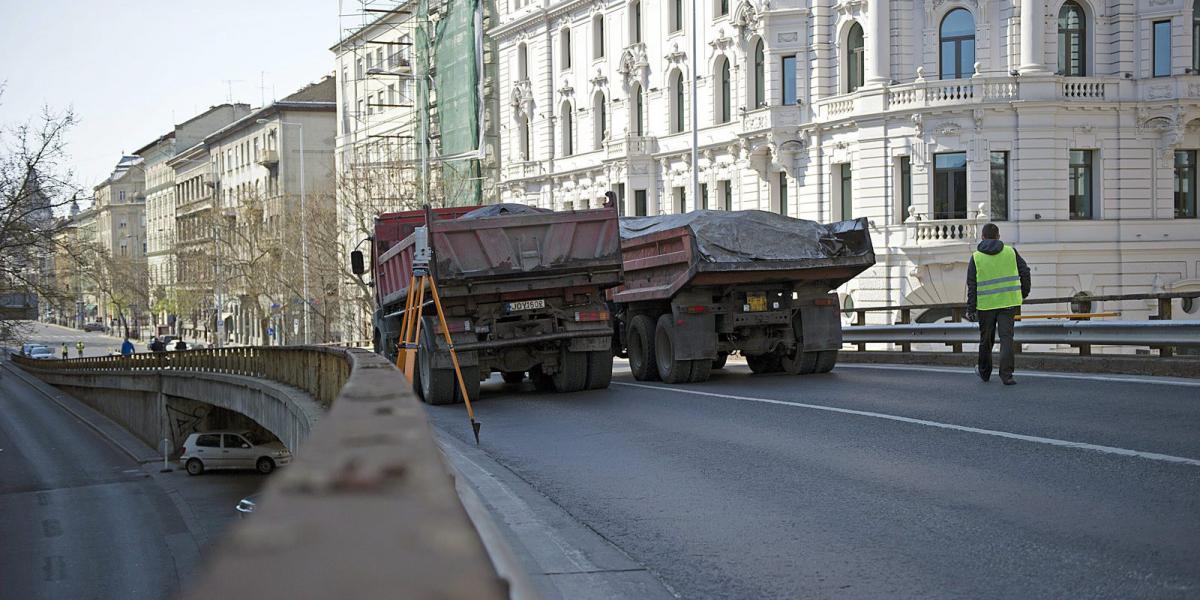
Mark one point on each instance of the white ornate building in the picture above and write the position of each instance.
(1071, 122)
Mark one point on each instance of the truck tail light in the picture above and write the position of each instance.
(591, 315)
(458, 326)
(697, 309)
(826, 301)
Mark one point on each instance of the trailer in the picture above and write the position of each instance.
(705, 284)
(523, 290)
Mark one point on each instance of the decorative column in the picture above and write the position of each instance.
(1033, 37)
(879, 63)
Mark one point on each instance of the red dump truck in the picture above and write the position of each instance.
(701, 285)
(523, 290)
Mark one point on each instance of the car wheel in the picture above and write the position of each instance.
(265, 465)
(194, 466)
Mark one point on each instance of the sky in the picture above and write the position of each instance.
(132, 69)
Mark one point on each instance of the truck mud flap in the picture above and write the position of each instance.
(819, 328)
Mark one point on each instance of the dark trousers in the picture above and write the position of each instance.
(992, 322)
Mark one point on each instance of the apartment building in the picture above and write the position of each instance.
(1073, 123)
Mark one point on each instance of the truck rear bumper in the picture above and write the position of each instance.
(534, 339)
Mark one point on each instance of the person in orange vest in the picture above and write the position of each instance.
(997, 283)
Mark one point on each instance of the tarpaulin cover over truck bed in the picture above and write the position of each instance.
(753, 235)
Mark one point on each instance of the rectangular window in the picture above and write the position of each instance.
(789, 80)
(905, 186)
(1185, 184)
(680, 200)
(639, 202)
(722, 8)
(726, 195)
(704, 196)
(621, 199)
(847, 190)
(566, 49)
(950, 185)
(676, 15)
(999, 171)
(637, 22)
(1080, 191)
(1162, 48)
(783, 193)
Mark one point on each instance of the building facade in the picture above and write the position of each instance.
(1071, 123)
(118, 268)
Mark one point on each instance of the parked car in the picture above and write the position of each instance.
(94, 327)
(245, 506)
(232, 450)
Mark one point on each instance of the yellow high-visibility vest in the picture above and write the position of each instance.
(997, 281)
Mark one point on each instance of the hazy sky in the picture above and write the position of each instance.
(132, 69)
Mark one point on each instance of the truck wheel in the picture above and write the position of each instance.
(826, 359)
(641, 348)
(437, 385)
(799, 362)
(471, 379)
(572, 371)
(722, 358)
(763, 363)
(599, 369)
(670, 369)
(701, 369)
(513, 376)
(541, 381)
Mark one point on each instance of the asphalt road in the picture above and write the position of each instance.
(94, 342)
(80, 519)
(870, 482)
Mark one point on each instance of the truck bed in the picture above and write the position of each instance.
(662, 257)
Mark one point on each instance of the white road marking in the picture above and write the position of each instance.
(991, 432)
(1019, 374)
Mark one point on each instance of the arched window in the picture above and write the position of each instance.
(677, 105)
(958, 44)
(564, 50)
(724, 102)
(600, 115)
(1072, 40)
(523, 136)
(854, 59)
(760, 78)
(522, 62)
(568, 142)
(598, 36)
(635, 106)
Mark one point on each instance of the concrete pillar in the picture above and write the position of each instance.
(1033, 23)
(879, 63)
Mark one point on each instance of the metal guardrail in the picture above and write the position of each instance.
(367, 510)
(1101, 333)
(318, 370)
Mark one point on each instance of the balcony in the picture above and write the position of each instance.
(523, 169)
(268, 158)
(631, 146)
(923, 231)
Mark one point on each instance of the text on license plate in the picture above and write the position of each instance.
(757, 302)
(526, 305)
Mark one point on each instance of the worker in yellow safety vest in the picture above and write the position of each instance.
(997, 283)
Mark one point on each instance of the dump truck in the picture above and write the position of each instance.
(523, 290)
(702, 285)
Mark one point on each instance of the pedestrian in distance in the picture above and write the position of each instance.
(127, 348)
(180, 344)
(66, 352)
(79, 348)
(997, 283)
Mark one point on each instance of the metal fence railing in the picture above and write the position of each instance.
(1075, 328)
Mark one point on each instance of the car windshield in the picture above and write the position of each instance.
(40, 350)
(256, 438)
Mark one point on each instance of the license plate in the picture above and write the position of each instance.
(526, 305)
(756, 302)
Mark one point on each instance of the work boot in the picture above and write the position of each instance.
(1009, 381)
(984, 376)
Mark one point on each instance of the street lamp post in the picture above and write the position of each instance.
(303, 221)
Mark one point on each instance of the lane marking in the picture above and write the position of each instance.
(1019, 374)
(990, 432)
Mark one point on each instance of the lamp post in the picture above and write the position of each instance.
(303, 219)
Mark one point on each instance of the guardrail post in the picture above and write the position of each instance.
(1164, 314)
(905, 319)
(861, 319)
(956, 316)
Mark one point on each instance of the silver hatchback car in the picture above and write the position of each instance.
(232, 450)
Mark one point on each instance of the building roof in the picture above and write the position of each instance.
(320, 97)
(123, 167)
(404, 8)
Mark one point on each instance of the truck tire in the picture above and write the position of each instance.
(701, 369)
(513, 376)
(640, 347)
(471, 379)
(541, 381)
(670, 369)
(572, 372)
(437, 385)
(763, 363)
(599, 369)
(719, 362)
(826, 360)
(800, 363)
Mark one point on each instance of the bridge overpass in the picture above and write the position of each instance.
(871, 481)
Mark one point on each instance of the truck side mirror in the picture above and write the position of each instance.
(356, 263)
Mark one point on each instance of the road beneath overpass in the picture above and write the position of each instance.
(868, 482)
